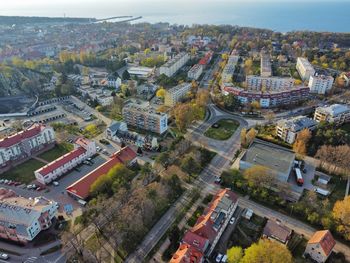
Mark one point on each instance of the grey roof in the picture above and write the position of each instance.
(277, 231)
(269, 155)
(115, 126)
(297, 123)
(334, 109)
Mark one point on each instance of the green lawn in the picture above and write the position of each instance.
(224, 131)
(56, 152)
(24, 172)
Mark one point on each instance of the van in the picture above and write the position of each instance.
(224, 258)
(82, 202)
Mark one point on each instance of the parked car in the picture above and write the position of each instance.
(217, 180)
(232, 220)
(4, 256)
(55, 183)
(87, 163)
(218, 258)
(2, 181)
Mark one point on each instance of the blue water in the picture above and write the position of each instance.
(279, 15)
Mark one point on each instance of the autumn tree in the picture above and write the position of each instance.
(183, 116)
(251, 134)
(244, 137)
(234, 255)
(301, 143)
(259, 175)
(341, 214)
(267, 251)
(161, 92)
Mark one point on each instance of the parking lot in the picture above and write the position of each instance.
(308, 177)
(58, 193)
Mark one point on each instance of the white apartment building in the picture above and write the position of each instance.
(174, 64)
(265, 64)
(336, 113)
(22, 219)
(24, 144)
(269, 83)
(288, 129)
(229, 69)
(175, 94)
(320, 84)
(83, 149)
(305, 69)
(143, 116)
(195, 72)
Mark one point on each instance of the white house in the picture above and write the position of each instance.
(320, 246)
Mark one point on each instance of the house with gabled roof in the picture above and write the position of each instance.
(320, 246)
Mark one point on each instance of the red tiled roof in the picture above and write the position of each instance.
(83, 142)
(186, 254)
(61, 161)
(195, 240)
(81, 188)
(18, 137)
(206, 58)
(325, 239)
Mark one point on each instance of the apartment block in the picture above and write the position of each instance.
(268, 83)
(320, 84)
(20, 146)
(143, 116)
(174, 64)
(336, 113)
(22, 219)
(305, 69)
(175, 94)
(265, 64)
(229, 69)
(195, 72)
(288, 129)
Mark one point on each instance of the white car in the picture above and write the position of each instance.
(218, 258)
(4, 256)
(55, 183)
(232, 220)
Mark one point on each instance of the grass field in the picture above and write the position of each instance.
(24, 172)
(224, 131)
(56, 152)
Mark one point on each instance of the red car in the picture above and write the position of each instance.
(17, 183)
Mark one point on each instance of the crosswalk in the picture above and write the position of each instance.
(31, 260)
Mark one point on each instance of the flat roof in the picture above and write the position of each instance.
(269, 155)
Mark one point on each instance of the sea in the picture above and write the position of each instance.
(277, 15)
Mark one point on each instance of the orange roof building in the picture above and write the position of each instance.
(320, 246)
(187, 254)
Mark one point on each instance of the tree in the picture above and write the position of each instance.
(190, 166)
(251, 134)
(301, 143)
(183, 115)
(234, 255)
(163, 158)
(341, 214)
(259, 175)
(244, 137)
(255, 105)
(267, 251)
(31, 87)
(161, 92)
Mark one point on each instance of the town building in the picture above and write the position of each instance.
(141, 72)
(83, 149)
(143, 116)
(22, 219)
(269, 83)
(265, 64)
(21, 146)
(175, 94)
(275, 230)
(288, 129)
(270, 98)
(195, 72)
(305, 69)
(114, 81)
(278, 160)
(346, 77)
(336, 113)
(174, 64)
(206, 59)
(229, 69)
(118, 132)
(320, 246)
(81, 189)
(202, 238)
(320, 84)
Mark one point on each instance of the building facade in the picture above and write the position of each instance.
(20, 146)
(265, 64)
(195, 72)
(288, 129)
(22, 219)
(229, 69)
(83, 149)
(174, 64)
(336, 113)
(305, 69)
(145, 117)
(175, 94)
(269, 83)
(320, 84)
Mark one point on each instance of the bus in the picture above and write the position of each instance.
(299, 177)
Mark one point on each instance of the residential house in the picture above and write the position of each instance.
(320, 246)
(337, 114)
(277, 231)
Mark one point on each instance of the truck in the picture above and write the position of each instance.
(298, 177)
